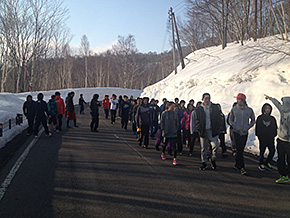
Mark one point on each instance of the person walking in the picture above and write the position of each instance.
(208, 124)
(169, 127)
(113, 108)
(29, 112)
(193, 130)
(144, 121)
(233, 144)
(124, 112)
(266, 131)
(106, 106)
(52, 113)
(155, 114)
(60, 108)
(94, 106)
(185, 124)
(283, 141)
(242, 118)
(82, 103)
(70, 110)
(41, 114)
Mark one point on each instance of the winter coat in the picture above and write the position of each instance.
(94, 106)
(266, 125)
(185, 122)
(29, 109)
(239, 119)
(114, 104)
(134, 112)
(60, 105)
(106, 103)
(284, 129)
(82, 101)
(215, 120)
(193, 128)
(52, 107)
(180, 116)
(69, 104)
(144, 115)
(169, 124)
(41, 110)
(155, 112)
(124, 109)
(223, 124)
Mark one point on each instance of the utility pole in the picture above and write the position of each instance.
(178, 43)
(173, 39)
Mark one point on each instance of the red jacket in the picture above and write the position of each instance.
(106, 103)
(60, 105)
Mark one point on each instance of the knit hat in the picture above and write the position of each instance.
(241, 96)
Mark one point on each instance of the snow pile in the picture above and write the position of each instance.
(254, 69)
(11, 104)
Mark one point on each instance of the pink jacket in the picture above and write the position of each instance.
(185, 122)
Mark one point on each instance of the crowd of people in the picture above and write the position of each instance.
(174, 124)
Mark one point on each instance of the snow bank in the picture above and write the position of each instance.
(254, 69)
(11, 104)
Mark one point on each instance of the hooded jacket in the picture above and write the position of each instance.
(60, 104)
(29, 108)
(284, 109)
(41, 109)
(52, 107)
(169, 124)
(239, 119)
(266, 125)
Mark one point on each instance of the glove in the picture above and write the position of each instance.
(138, 129)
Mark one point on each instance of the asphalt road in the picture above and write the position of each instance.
(78, 173)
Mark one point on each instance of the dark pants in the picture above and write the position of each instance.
(134, 128)
(59, 119)
(106, 113)
(172, 142)
(38, 121)
(154, 128)
(95, 121)
(266, 143)
(222, 142)
(191, 141)
(82, 108)
(30, 124)
(241, 141)
(233, 143)
(113, 116)
(145, 135)
(283, 149)
(159, 138)
(124, 121)
(179, 141)
(184, 136)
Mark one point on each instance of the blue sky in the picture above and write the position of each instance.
(103, 20)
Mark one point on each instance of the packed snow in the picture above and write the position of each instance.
(255, 69)
(11, 104)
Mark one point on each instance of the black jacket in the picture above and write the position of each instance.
(41, 110)
(266, 125)
(125, 109)
(144, 115)
(223, 124)
(29, 109)
(94, 106)
(69, 104)
(215, 120)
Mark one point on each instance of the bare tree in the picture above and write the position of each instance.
(85, 52)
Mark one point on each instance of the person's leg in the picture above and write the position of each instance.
(114, 116)
(203, 149)
(30, 125)
(146, 140)
(44, 124)
(262, 147)
(214, 145)
(233, 143)
(271, 148)
(222, 143)
(239, 147)
(287, 149)
(193, 138)
(173, 145)
(126, 123)
(36, 126)
(60, 121)
(97, 122)
(281, 157)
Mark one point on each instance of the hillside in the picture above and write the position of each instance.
(255, 69)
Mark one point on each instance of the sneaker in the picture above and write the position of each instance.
(28, 134)
(163, 157)
(203, 166)
(180, 153)
(261, 167)
(269, 166)
(157, 148)
(243, 171)
(213, 164)
(234, 152)
(190, 154)
(175, 162)
(36, 136)
(283, 179)
(49, 134)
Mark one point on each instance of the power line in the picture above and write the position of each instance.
(179, 3)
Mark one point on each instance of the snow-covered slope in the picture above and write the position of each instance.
(254, 69)
(11, 104)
